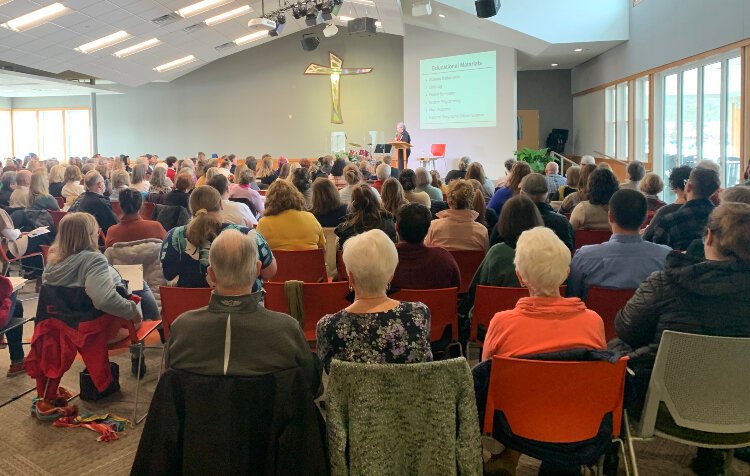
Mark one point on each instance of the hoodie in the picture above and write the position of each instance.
(457, 230)
(543, 324)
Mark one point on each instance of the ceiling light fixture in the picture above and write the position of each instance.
(368, 3)
(104, 42)
(37, 17)
(237, 12)
(553, 65)
(200, 7)
(345, 19)
(175, 64)
(131, 50)
(578, 50)
(441, 15)
(3, 2)
(243, 40)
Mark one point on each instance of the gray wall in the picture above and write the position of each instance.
(259, 101)
(663, 31)
(549, 92)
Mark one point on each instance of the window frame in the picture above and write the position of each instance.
(38, 138)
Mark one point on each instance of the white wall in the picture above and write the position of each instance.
(588, 120)
(488, 145)
(663, 31)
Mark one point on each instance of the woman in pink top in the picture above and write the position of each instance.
(243, 189)
(456, 228)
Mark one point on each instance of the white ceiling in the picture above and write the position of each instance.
(21, 85)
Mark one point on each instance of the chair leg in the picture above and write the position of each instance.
(624, 455)
(138, 386)
(629, 438)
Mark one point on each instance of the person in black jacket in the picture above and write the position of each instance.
(94, 202)
(535, 187)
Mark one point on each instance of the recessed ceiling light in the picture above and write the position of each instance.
(237, 12)
(441, 15)
(243, 40)
(200, 7)
(37, 17)
(578, 50)
(175, 64)
(553, 65)
(104, 42)
(131, 50)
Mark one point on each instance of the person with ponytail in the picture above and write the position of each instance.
(184, 252)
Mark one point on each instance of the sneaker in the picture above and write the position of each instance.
(16, 369)
(134, 367)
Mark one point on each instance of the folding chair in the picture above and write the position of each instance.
(468, 263)
(698, 394)
(607, 303)
(555, 402)
(443, 305)
(176, 301)
(307, 265)
(318, 299)
(585, 237)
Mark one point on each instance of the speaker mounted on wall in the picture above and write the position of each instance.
(362, 25)
(487, 8)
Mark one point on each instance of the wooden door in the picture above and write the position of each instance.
(528, 129)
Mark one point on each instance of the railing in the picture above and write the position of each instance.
(563, 160)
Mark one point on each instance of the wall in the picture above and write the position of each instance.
(588, 120)
(491, 146)
(663, 31)
(258, 101)
(549, 92)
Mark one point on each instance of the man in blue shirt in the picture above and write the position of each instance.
(626, 260)
(554, 179)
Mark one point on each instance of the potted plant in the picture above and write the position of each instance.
(537, 159)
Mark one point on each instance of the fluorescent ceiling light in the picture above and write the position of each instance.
(237, 12)
(3, 2)
(175, 64)
(243, 40)
(578, 50)
(200, 7)
(369, 3)
(131, 50)
(553, 65)
(441, 15)
(37, 17)
(104, 42)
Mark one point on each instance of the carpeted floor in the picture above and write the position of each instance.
(29, 447)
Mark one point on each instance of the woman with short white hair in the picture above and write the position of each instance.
(375, 328)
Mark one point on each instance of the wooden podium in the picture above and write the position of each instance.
(401, 149)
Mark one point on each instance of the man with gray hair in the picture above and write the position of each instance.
(235, 335)
(94, 202)
(534, 186)
(20, 196)
(554, 179)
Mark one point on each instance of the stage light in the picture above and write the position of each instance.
(311, 14)
(298, 11)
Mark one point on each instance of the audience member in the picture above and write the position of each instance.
(326, 163)
(508, 164)
(388, 160)
(535, 186)
(712, 165)
(132, 227)
(20, 196)
(171, 169)
(435, 180)
(94, 202)
(180, 194)
(460, 172)
(651, 186)
(636, 171)
(286, 225)
(588, 160)
(120, 182)
(485, 216)
(625, 261)
(420, 266)
(408, 180)
(678, 229)
(571, 184)
(243, 189)
(364, 214)
(374, 329)
(678, 177)
(424, 184)
(456, 228)
(382, 172)
(39, 197)
(353, 178)
(326, 203)
(511, 188)
(301, 180)
(56, 180)
(580, 195)
(231, 212)
(159, 183)
(554, 179)
(8, 180)
(476, 172)
(265, 172)
(184, 253)
(593, 212)
(337, 173)
(283, 171)
(392, 196)
(139, 180)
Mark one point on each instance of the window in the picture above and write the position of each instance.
(616, 117)
(50, 133)
(78, 133)
(25, 133)
(622, 122)
(6, 135)
(733, 123)
(610, 121)
(51, 140)
(641, 119)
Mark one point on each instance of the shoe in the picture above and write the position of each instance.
(708, 462)
(134, 367)
(16, 369)
(45, 410)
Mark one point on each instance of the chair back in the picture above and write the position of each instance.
(147, 210)
(703, 381)
(490, 300)
(569, 399)
(117, 209)
(60, 202)
(318, 299)
(591, 237)
(606, 303)
(331, 247)
(56, 217)
(468, 263)
(307, 265)
(443, 305)
(45, 252)
(437, 150)
(176, 301)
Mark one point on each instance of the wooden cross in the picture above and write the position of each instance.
(335, 71)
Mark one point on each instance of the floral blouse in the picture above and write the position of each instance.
(398, 336)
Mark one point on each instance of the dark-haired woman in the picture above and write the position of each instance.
(365, 213)
(408, 180)
(594, 212)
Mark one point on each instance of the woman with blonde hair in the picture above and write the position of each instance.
(139, 181)
(353, 177)
(120, 181)
(56, 180)
(39, 196)
(652, 185)
(285, 223)
(512, 186)
(184, 254)
(72, 188)
(237, 171)
(392, 196)
(456, 228)
(485, 216)
(265, 172)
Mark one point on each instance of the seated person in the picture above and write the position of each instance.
(184, 253)
(678, 177)
(420, 266)
(626, 260)
(636, 172)
(20, 196)
(94, 202)
(456, 228)
(680, 228)
(132, 227)
(243, 189)
(72, 188)
(8, 181)
(408, 180)
(365, 213)
(255, 341)
(375, 328)
(424, 184)
(39, 196)
(326, 203)
(78, 305)
(572, 176)
(651, 186)
(458, 173)
(301, 181)
(573, 199)
(535, 186)
(512, 186)
(180, 195)
(285, 224)
(231, 212)
(592, 213)
(382, 172)
(120, 181)
(392, 196)
(553, 177)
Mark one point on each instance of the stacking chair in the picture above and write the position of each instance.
(585, 236)
(7, 261)
(306, 265)
(468, 263)
(60, 202)
(489, 300)
(147, 210)
(116, 209)
(56, 217)
(175, 301)
(554, 402)
(607, 303)
(443, 306)
(437, 151)
(698, 393)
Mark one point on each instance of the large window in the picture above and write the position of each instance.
(642, 112)
(616, 127)
(50, 133)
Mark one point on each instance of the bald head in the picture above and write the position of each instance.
(551, 168)
(233, 260)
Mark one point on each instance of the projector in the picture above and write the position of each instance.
(262, 24)
(421, 9)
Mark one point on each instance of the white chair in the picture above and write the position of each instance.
(699, 393)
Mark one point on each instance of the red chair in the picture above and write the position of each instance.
(341, 267)
(262, 193)
(591, 237)
(555, 402)
(147, 210)
(490, 300)
(307, 265)
(468, 263)
(60, 202)
(437, 151)
(443, 305)
(649, 217)
(606, 303)
(318, 299)
(176, 301)
(116, 209)
(56, 217)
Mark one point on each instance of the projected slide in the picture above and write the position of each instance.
(458, 91)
